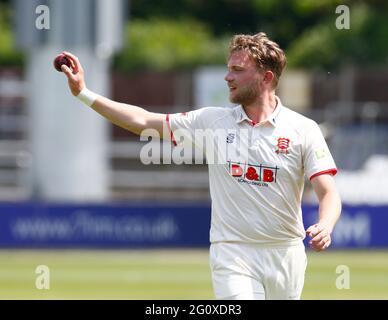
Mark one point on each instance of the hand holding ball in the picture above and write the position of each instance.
(60, 60)
(72, 68)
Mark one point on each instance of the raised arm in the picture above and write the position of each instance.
(132, 118)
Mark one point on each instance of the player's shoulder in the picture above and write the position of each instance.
(298, 121)
(211, 114)
(216, 111)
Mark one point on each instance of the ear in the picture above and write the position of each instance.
(268, 77)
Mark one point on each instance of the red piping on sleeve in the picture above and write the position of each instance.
(169, 129)
(330, 171)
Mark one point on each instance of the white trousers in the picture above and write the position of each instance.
(243, 271)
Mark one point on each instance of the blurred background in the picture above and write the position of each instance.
(75, 195)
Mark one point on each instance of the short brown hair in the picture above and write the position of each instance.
(265, 53)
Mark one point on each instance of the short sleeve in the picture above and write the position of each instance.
(189, 127)
(182, 126)
(317, 158)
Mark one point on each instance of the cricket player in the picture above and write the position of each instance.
(257, 233)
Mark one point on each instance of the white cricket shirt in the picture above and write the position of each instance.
(256, 189)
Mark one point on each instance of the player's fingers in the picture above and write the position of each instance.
(322, 245)
(319, 228)
(67, 71)
(315, 240)
(316, 247)
(75, 64)
(319, 236)
(313, 246)
(327, 244)
(312, 230)
(324, 240)
(69, 54)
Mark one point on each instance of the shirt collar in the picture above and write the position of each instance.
(242, 116)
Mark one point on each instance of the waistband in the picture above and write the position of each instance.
(275, 244)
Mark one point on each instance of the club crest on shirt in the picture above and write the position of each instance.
(283, 145)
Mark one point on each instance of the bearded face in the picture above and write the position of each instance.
(245, 94)
(243, 78)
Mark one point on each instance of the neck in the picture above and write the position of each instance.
(262, 108)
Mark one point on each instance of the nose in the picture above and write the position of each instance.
(228, 77)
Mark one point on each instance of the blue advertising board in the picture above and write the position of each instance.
(37, 225)
(358, 226)
(123, 225)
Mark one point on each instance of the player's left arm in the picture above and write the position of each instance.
(329, 212)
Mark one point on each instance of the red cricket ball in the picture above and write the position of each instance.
(60, 60)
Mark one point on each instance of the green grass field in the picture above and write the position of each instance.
(171, 274)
